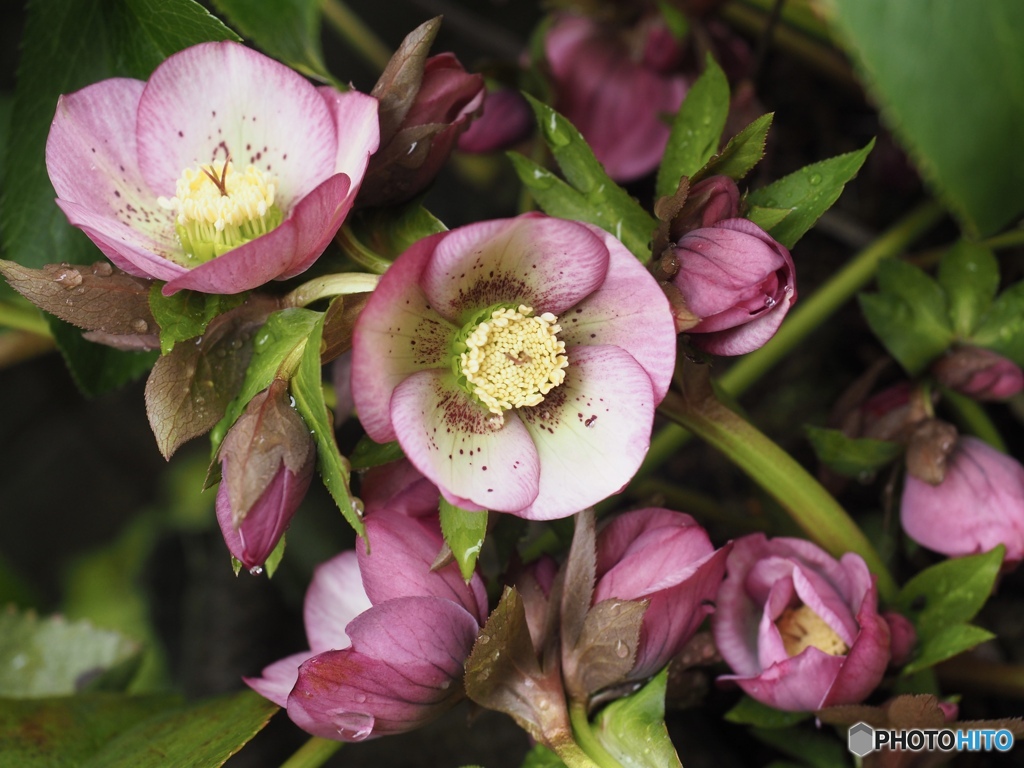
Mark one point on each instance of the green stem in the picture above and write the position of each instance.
(356, 33)
(972, 417)
(325, 286)
(23, 318)
(806, 317)
(1009, 239)
(359, 253)
(780, 475)
(587, 740)
(312, 754)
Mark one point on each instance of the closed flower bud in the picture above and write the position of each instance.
(978, 505)
(738, 281)
(267, 461)
(979, 373)
(506, 120)
(799, 628)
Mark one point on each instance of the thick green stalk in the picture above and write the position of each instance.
(312, 754)
(23, 318)
(587, 740)
(327, 286)
(356, 33)
(808, 315)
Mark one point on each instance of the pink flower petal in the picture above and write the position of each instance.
(334, 598)
(398, 333)
(451, 440)
(868, 657)
(823, 598)
(798, 684)
(219, 99)
(747, 337)
(278, 679)
(399, 487)
(355, 121)
(548, 264)
(630, 311)
(591, 432)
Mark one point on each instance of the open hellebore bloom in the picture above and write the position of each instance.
(800, 629)
(224, 171)
(617, 87)
(517, 362)
(738, 281)
(267, 460)
(978, 505)
(388, 637)
(666, 558)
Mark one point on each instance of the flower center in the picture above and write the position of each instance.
(801, 627)
(219, 208)
(511, 358)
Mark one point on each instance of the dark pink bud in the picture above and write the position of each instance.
(708, 202)
(978, 505)
(667, 559)
(505, 121)
(800, 629)
(979, 373)
(267, 460)
(739, 281)
(902, 637)
(616, 93)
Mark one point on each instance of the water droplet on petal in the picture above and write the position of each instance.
(139, 325)
(769, 301)
(446, 685)
(102, 268)
(352, 726)
(359, 698)
(495, 421)
(256, 570)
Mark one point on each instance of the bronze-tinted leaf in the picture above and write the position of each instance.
(606, 649)
(400, 82)
(339, 320)
(95, 298)
(189, 389)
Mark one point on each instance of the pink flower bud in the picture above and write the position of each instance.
(978, 505)
(739, 281)
(505, 121)
(902, 636)
(666, 558)
(979, 373)
(267, 461)
(800, 629)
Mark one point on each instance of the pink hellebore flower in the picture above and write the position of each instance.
(664, 557)
(388, 637)
(517, 362)
(739, 281)
(800, 629)
(224, 171)
(978, 505)
(617, 91)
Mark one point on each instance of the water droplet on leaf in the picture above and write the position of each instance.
(68, 277)
(139, 325)
(102, 268)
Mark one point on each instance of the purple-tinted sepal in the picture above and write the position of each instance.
(505, 121)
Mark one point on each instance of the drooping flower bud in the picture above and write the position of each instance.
(979, 373)
(978, 505)
(739, 281)
(506, 119)
(267, 461)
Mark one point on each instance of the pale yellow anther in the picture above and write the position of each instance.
(802, 628)
(514, 358)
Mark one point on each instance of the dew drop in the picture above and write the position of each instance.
(139, 325)
(543, 704)
(102, 268)
(815, 179)
(484, 639)
(621, 649)
(359, 698)
(357, 506)
(79, 290)
(352, 726)
(256, 570)
(495, 421)
(68, 277)
(446, 685)
(769, 301)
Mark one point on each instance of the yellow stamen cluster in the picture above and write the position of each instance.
(219, 208)
(802, 627)
(514, 358)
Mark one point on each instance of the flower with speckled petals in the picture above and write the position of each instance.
(517, 362)
(223, 171)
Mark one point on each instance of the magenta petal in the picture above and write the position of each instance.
(798, 684)
(399, 487)
(335, 597)
(747, 337)
(398, 564)
(867, 659)
(591, 432)
(548, 264)
(403, 670)
(277, 679)
(451, 439)
(629, 310)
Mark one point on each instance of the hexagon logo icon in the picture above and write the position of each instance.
(861, 739)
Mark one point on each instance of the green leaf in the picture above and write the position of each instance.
(203, 735)
(389, 231)
(542, 757)
(62, 732)
(742, 153)
(307, 389)
(749, 711)
(909, 315)
(949, 593)
(1001, 329)
(186, 314)
(55, 657)
(69, 44)
(368, 454)
(950, 82)
(94, 367)
(464, 533)
(633, 729)
(809, 192)
(811, 747)
(598, 200)
(851, 456)
(696, 129)
(969, 274)
(288, 30)
(767, 218)
(945, 644)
